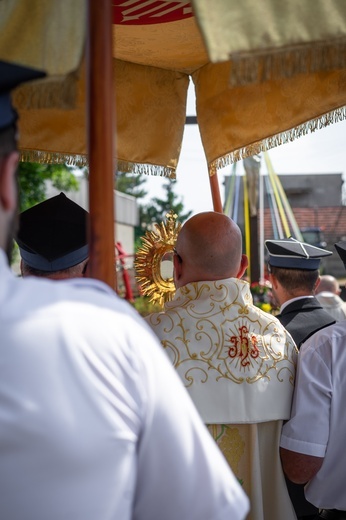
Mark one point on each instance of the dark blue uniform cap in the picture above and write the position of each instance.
(341, 250)
(289, 253)
(52, 235)
(11, 76)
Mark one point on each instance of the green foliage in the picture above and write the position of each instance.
(33, 177)
(160, 207)
(131, 183)
(157, 210)
(145, 307)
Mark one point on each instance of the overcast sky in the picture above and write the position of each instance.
(323, 151)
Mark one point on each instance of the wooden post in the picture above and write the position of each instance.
(215, 192)
(101, 146)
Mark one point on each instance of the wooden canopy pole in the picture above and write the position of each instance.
(215, 192)
(100, 117)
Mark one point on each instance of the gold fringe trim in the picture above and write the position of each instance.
(276, 140)
(286, 63)
(146, 169)
(52, 92)
(37, 156)
(41, 157)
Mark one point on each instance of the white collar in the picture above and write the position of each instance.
(294, 300)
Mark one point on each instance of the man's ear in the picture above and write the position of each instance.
(8, 185)
(318, 281)
(273, 281)
(177, 266)
(243, 266)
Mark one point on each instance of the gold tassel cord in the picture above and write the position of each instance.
(258, 67)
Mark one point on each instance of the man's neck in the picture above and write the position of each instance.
(291, 300)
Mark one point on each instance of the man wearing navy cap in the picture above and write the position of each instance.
(52, 239)
(89, 402)
(294, 274)
(313, 440)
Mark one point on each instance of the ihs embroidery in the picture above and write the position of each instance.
(243, 346)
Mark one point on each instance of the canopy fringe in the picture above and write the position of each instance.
(41, 157)
(300, 59)
(276, 140)
(146, 169)
(37, 156)
(52, 92)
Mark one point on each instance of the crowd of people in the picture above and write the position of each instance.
(95, 422)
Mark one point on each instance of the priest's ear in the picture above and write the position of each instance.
(178, 269)
(243, 266)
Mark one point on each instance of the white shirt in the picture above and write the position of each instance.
(318, 421)
(333, 304)
(94, 422)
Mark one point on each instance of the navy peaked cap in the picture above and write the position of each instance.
(289, 253)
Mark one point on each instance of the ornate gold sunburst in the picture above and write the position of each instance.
(157, 245)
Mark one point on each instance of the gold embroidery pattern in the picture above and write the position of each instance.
(211, 330)
(231, 444)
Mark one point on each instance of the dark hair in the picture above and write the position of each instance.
(293, 279)
(70, 272)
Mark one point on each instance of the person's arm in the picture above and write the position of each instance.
(305, 436)
(298, 467)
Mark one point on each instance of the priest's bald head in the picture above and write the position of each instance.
(208, 248)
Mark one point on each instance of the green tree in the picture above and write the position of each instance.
(131, 183)
(33, 178)
(156, 210)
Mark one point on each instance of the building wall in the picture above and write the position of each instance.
(313, 191)
(316, 201)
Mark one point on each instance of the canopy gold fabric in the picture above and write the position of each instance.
(267, 39)
(46, 35)
(157, 48)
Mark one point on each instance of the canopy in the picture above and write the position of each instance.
(283, 66)
(281, 74)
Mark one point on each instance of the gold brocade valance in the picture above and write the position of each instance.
(154, 60)
(47, 35)
(150, 115)
(271, 39)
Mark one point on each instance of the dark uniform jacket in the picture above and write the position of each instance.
(302, 318)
